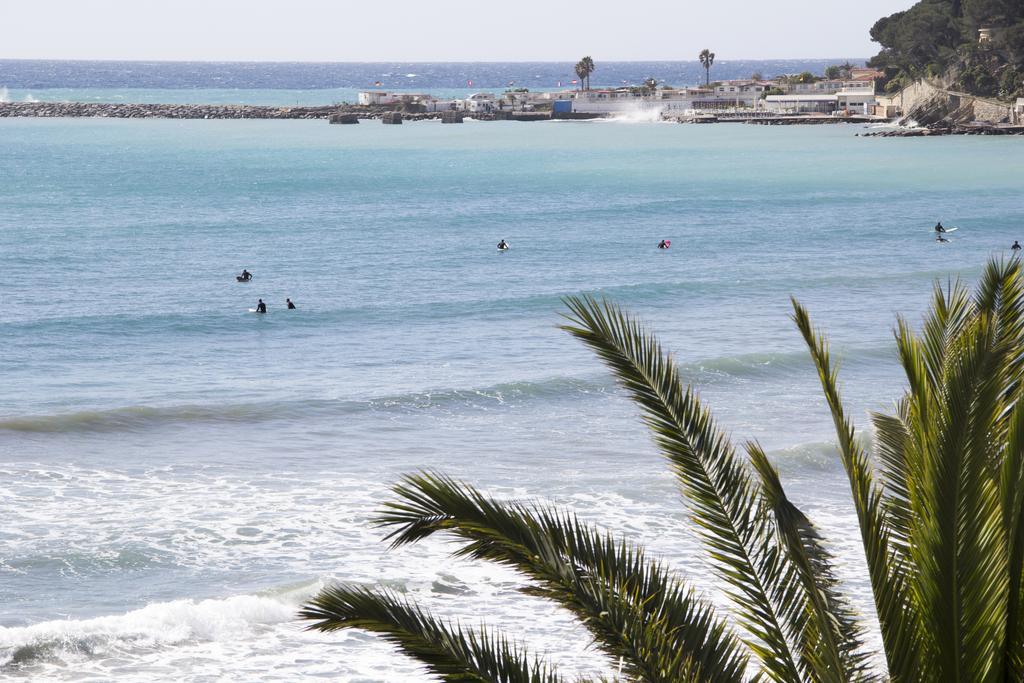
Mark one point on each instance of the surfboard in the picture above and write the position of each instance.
(947, 230)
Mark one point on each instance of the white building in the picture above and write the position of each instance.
(479, 102)
(669, 100)
(856, 98)
(740, 93)
(822, 87)
(801, 104)
(1018, 110)
(376, 98)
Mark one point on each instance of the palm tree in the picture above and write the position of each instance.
(939, 502)
(707, 58)
(581, 73)
(589, 67)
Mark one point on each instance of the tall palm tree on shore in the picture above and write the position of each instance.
(584, 68)
(589, 66)
(707, 58)
(939, 503)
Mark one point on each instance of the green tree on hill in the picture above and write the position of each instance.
(939, 503)
(940, 38)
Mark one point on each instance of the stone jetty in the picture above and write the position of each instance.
(940, 129)
(192, 111)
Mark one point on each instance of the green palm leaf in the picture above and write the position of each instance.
(957, 542)
(450, 652)
(731, 518)
(900, 624)
(833, 637)
(636, 611)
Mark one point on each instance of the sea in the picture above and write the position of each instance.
(179, 474)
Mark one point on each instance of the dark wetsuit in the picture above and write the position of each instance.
(290, 305)
(1016, 246)
(261, 307)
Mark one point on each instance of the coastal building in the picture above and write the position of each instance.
(822, 87)
(617, 101)
(479, 102)
(740, 93)
(811, 103)
(675, 101)
(1018, 110)
(856, 98)
(380, 98)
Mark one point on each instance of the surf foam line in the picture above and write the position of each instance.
(161, 624)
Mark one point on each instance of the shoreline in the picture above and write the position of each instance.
(353, 113)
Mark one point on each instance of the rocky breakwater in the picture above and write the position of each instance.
(938, 129)
(188, 111)
(160, 111)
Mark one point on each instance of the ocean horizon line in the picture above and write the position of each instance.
(403, 61)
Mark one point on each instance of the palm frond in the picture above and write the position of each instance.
(1012, 499)
(833, 639)
(635, 610)
(957, 547)
(898, 619)
(891, 445)
(454, 654)
(725, 505)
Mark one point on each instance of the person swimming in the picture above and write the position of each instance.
(261, 307)
(291, 306)
(245, 276)
(1016, 246)
(940, 238)
(664, 244)
(939, 228)
(503, 245)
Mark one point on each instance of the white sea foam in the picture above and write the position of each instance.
(5, 95)
(638, 115)
(155, 625)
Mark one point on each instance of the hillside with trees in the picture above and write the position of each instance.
(972, 45)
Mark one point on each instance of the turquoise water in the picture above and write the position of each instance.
(177, 474)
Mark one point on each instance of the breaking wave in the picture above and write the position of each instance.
(155, 625)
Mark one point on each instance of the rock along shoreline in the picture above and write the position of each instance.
(190, 111)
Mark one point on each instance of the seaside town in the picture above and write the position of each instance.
(851, 94)
(843, 94)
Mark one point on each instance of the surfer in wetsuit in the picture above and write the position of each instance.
(245, 276)
(291, 306)
(261, 307)
(1016, 246)
(663, 244)
(939, 228)
(503, 245)
(940, 238)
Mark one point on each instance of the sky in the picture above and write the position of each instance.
(437, 30)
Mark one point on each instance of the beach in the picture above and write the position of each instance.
(178, 474)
